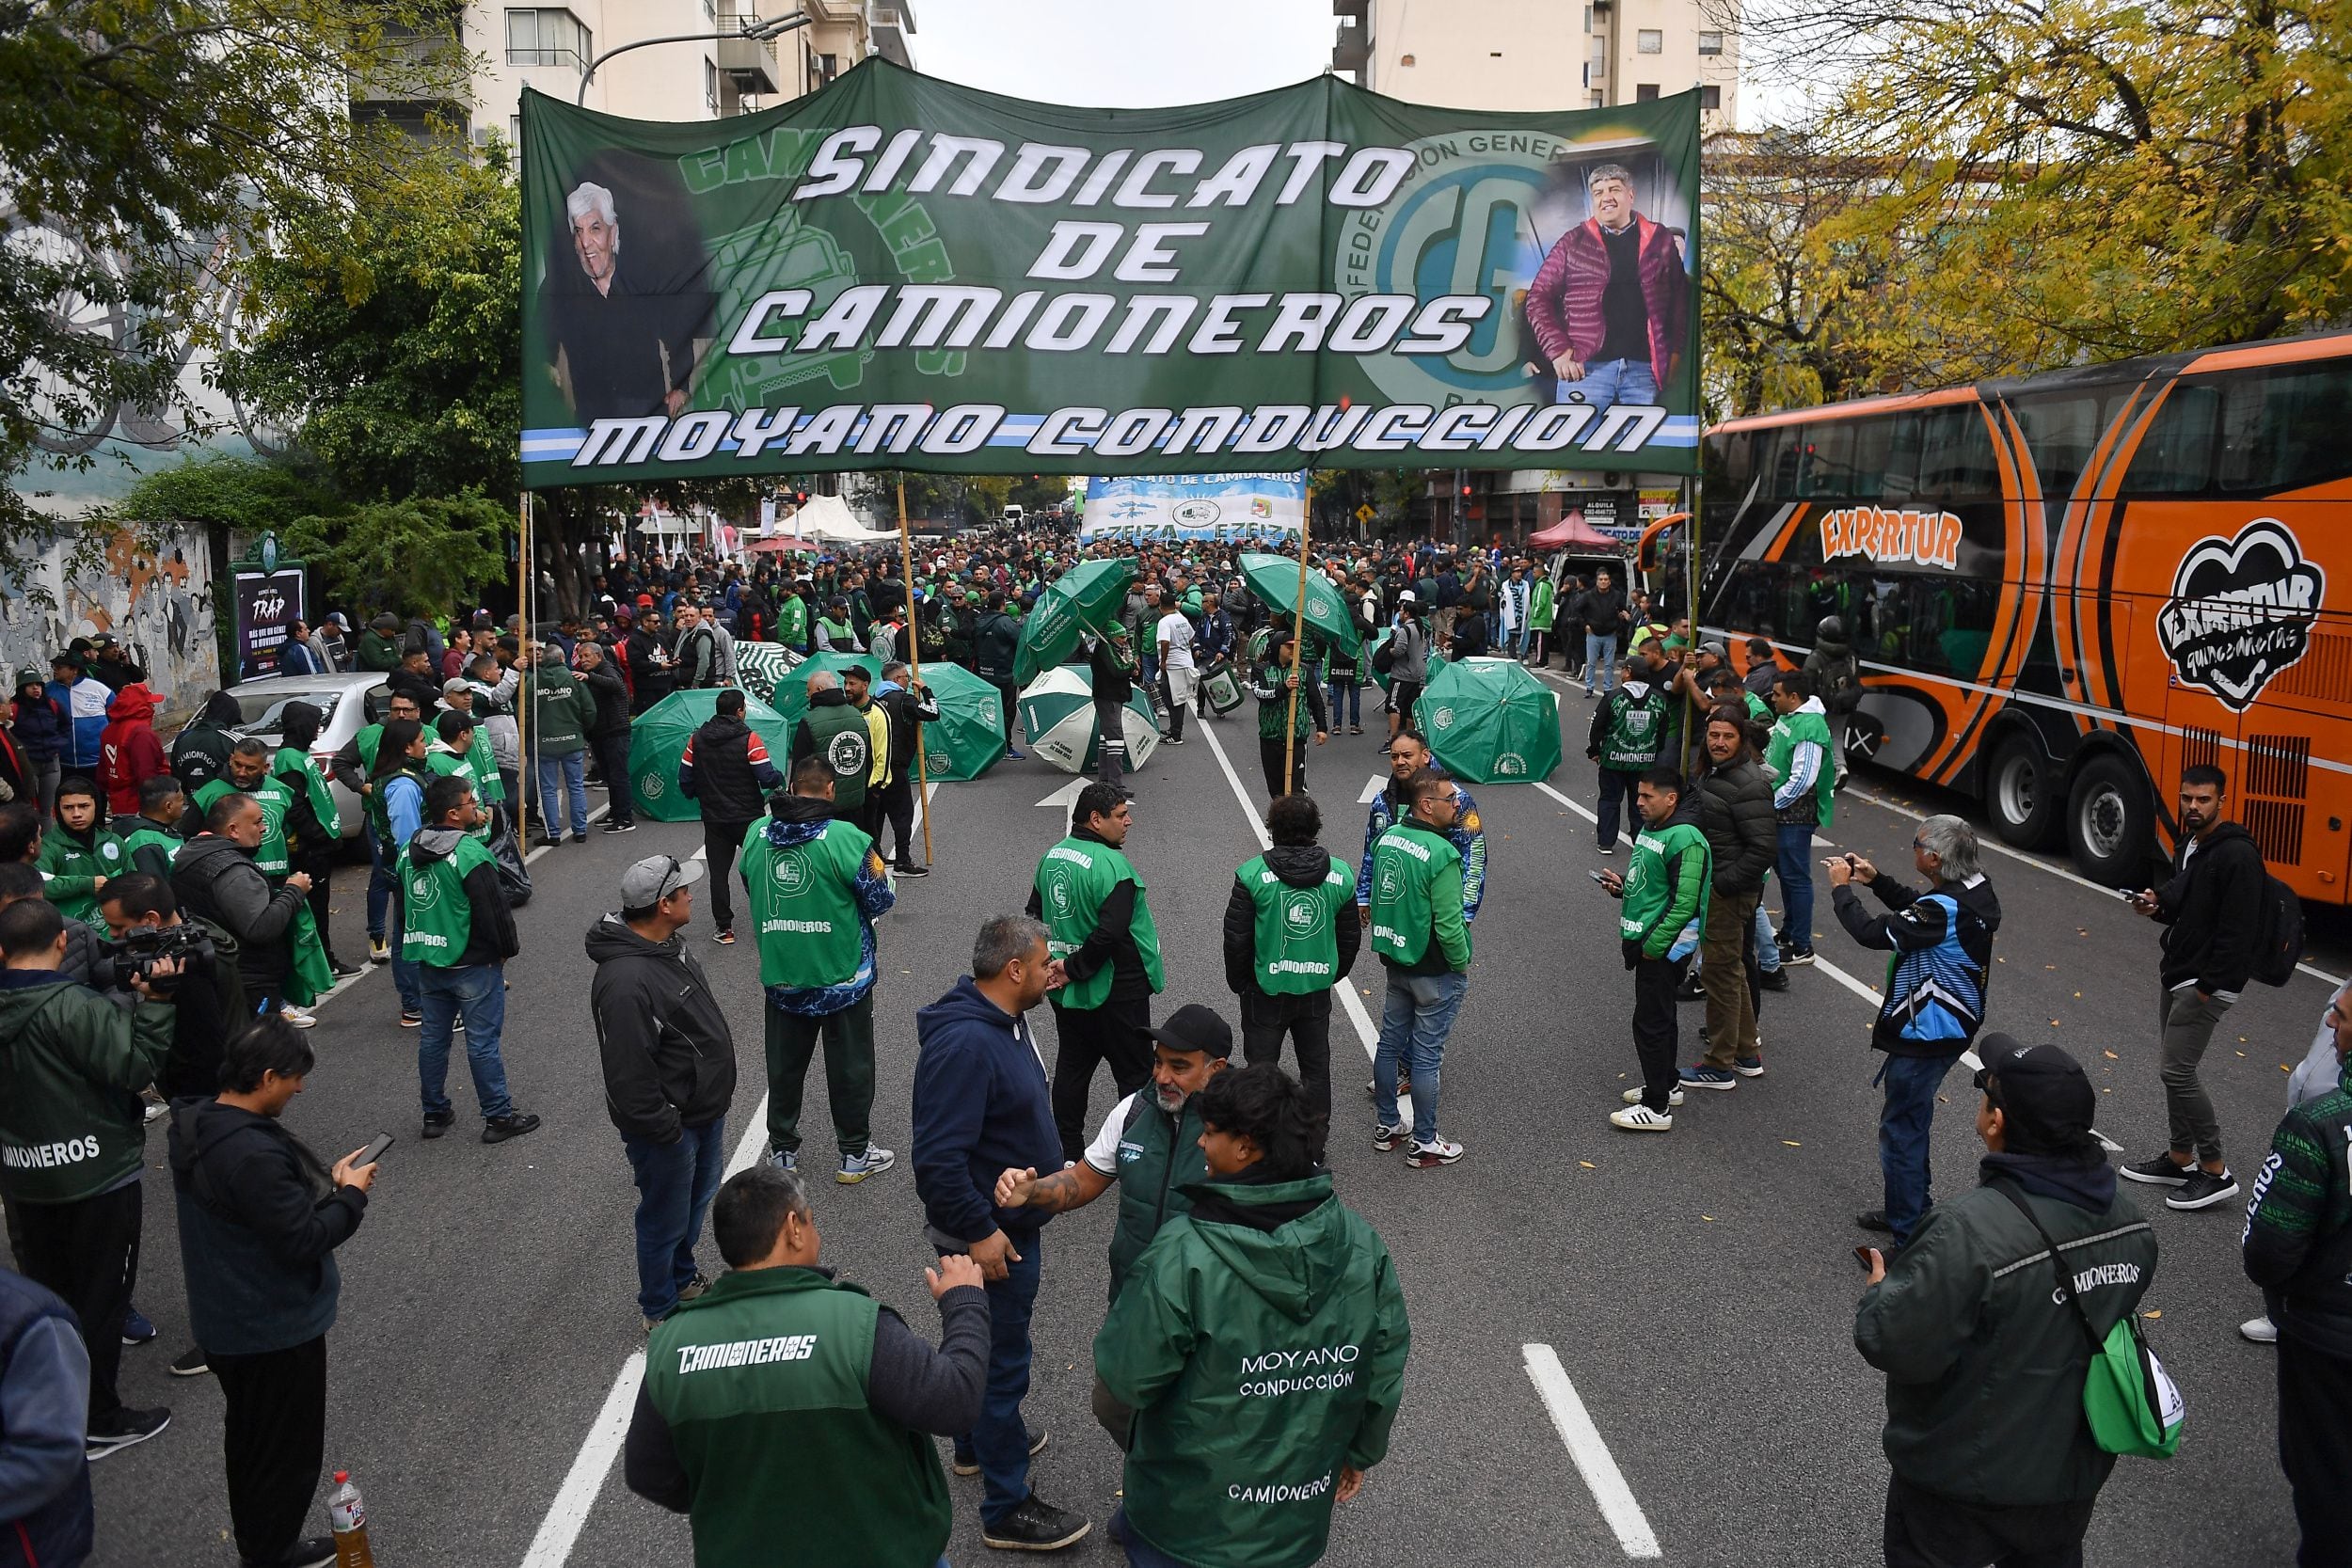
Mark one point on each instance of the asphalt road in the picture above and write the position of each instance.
(1696, 1290)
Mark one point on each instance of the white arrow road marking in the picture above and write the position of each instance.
(1372, 790)
(1066, 798)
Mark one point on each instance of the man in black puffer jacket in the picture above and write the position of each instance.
(1735, 798)
(669, 1070)
(726, 770)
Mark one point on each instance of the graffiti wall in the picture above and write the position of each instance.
(158, 604)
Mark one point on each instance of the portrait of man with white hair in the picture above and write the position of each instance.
(622, 318)
(1609, 307)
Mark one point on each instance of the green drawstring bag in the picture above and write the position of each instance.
(2132, 1404)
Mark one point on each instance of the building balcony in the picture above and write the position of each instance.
(1349, 7)
(1353, 48)
(888, 24)
(748, 64)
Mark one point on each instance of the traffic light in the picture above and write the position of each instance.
(1466, 490)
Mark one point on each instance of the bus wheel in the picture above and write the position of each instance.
(2023, 794)
(2111, 821)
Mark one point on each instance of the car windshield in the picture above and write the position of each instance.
(264, 712)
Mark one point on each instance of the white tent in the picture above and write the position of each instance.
(828, 517)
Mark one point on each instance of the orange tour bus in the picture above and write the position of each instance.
(2064, 588)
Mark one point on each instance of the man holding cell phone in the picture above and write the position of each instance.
(259, 1219)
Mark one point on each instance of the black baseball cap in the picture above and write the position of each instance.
(2044, 1093)
(1194, 1027)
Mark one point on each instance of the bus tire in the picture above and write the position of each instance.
(2111, 821)
(2023, 796)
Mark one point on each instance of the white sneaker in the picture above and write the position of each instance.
(299, 1017)
(875, 1161)
(1674, 1098)
(2260, 1330)
(1640, 1118)
(1423, 1156)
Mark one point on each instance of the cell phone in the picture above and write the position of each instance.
(374, 1151)
(2129, 895)
(1862, 1255)
(1601, 877)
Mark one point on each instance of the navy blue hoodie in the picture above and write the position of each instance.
(981, 1107)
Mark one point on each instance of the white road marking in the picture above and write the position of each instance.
(1373, 788)
(1988, 841)
(1592, 1461)
(1066, 798)
(1582, 811)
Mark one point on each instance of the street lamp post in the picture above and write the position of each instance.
(775, 27)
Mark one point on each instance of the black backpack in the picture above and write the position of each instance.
(2278, 934)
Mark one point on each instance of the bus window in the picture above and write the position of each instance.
(1777, 460)
(1825, 454)
(2283, 429)
(1902, 478)
(1956, 455)
(1951, 623)
(2176, 452)
(1731, 462)
(2062, 430)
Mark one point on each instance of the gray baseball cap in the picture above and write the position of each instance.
(655, 878)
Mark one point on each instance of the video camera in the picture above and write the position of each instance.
(138, 953)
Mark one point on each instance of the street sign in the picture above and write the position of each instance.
(1365, 514)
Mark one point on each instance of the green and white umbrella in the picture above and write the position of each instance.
(1087, 597)
(1489, 720)
(1273, 581)
(657, 740)
(762, 667)
(969, 735)
(791, 693)
(1058, 711)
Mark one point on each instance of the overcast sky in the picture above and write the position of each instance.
(1124, 54)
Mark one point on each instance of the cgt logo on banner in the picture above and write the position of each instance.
(2241, 611)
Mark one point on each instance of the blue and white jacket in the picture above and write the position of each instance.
(84, 705)
(1942, 942)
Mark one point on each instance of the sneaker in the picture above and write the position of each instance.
(1795, 957)
(1692, 991)
(1424, 1156)
(1640, 1118)
(512, 1125)
(724, 938)
(137, 1330)
(1175, 740)
(1748, 1067)
(123, 1429)
(1608, 848)
(344, 969)
(856, 1168)
(155, 1112)
(299, 1017)
(1874, 1219)
(317, 1552)
(438, 1122)
(1355, 729)
(914, 870)
(622, 828)
(2260, 1330)
(1385, 1138)
(457, 1025)
(785, 1159)
(1011, 756)
(549, 844)
(1036, 1525)
(966, 1463)
(2202, 1190)
(194, 1362)
(1709, 1078)
(379, 951)
(1774, 979)
(411, 1018)
(1674, 1098)
(694, 1287)
(2160, 1171)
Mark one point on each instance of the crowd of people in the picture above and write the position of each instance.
(163, 924)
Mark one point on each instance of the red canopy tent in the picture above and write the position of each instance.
(1572, 530)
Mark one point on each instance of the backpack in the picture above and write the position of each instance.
(2278, 933)
(1384, 657)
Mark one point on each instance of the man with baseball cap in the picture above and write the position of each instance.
(1983, 1324)
(669, 1070)
(1409, 663)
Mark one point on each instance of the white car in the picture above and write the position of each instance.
(349, 702)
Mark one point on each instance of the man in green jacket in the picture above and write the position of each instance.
(152, 838)
(79, 852)
(1105, 952)
(558, 707)
(1424, 943)
(1665, 890)
(833, 730)
(72, 1142)
(789, 1414)
(1981, 1331)
(1261, 1342)
(1804, 785)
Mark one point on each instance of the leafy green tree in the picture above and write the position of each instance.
(242, 493)
(421, 555)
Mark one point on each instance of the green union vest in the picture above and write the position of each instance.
(841, 735)
(1159, 1155)
(803, 910)
(1072, 880)
(1297, 946)
(436, 916)
(294, 768)
(276, 801)
(1635, 729)
(762, 1381)
(445, 763)
(147, 836)
(1404, 861)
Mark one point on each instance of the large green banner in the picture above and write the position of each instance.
(900, 272)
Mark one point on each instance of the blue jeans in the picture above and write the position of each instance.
(1611, 381)
(479, 993)
(1141, 1553)
(675, 1185)
(1600, 663)
(405, 981)
(558, 775)
(380, 883)
(1001, 1440)
(1767, 950)
(1903, 1122)
(1415, 1019)
(1795, 866)
(1352, 695)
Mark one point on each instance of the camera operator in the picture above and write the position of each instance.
(144, 925)
(73, 1143)
(216, 880)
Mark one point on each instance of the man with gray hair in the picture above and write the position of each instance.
(1609, 307)
(1942, 940)
(621, 336)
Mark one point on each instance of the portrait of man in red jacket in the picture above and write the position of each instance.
(1610, 305)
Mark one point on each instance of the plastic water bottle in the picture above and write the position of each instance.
(348, 1516)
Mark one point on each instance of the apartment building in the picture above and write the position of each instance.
(1533, 54)
(714, 72)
